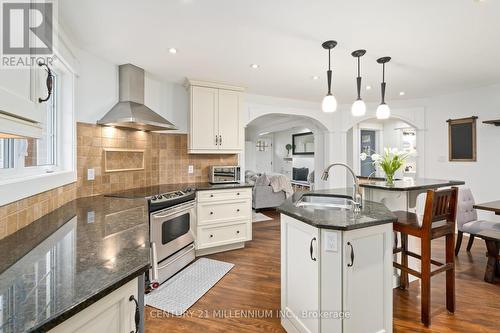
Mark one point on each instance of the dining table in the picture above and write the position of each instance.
(492, 239)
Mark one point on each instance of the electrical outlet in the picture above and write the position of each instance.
(90, 174)
(331, 244)
(190, 169)
(90, 216)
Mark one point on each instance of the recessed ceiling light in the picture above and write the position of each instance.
(315, 77)
(254, 66)
(172, 50)
(402, 93)
(368, 87)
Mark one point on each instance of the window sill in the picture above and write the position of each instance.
(19, 188)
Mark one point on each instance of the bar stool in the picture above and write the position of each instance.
(438, 221)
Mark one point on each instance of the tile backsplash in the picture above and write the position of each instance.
(166, 161)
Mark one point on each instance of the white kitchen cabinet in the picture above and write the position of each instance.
(214, 118)
(203, 133)
(367, 284)
(229, 120)
(348, 288)
(112, 314)
(19, 92)
(300, 272)
(223, 220)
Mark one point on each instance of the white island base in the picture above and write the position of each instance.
(336, 281)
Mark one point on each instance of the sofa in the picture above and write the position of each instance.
(263, 195)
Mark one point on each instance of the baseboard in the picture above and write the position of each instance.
(222, 248)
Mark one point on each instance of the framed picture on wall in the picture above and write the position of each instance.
(303, 144)
(462, 140)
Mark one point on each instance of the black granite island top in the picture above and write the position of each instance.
(412, 184)
(144, 192)
(69, 259)
(371, 214)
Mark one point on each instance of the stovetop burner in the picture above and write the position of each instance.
(169, 199)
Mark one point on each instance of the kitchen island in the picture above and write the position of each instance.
(336, 264)
(76, 268)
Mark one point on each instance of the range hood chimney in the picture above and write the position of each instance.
(130, 111)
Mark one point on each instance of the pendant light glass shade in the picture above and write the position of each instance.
(329, 104)
(358, 108)
(383, 111)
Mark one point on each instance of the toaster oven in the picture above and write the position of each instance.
(224, 174)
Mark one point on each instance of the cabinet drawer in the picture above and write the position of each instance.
(222, 235)
(233, 194)
(223, 211)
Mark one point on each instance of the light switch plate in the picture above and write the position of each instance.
(90, 174)
(90, 216)
(190, 169)
(331, 243)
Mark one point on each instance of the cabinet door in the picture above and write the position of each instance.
(229, 120)
(299, 275)
(203, 120)
(112, 314)
(367, 282)
(18, 90)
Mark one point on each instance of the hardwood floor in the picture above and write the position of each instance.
(252, 288)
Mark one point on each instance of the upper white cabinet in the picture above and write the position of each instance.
(214, 118)
(19, 106)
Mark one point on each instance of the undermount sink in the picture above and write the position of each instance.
(325, 202)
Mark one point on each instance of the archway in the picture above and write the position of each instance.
(371, 135)
(266, 138)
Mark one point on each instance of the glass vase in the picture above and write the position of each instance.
(389, 179)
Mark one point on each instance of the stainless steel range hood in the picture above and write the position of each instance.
(130, 111)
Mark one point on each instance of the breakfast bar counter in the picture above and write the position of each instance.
(402, 195)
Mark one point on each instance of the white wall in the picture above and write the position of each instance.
(98, 92)
(481, 176)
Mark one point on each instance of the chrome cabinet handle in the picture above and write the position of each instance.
(211, 236)
(137, 317)
(311, 249)
(220, 140)
(216, 140)
(238, 210)
(352, 255)
(211, 213)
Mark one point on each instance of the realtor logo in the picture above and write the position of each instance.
(27, 32)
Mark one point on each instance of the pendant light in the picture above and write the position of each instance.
(329, 102)
(358, 108)
(383, 110)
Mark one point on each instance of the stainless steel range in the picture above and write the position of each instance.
(171, 219)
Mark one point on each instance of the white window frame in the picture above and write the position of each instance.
(29, 181)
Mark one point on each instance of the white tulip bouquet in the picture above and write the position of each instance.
(390, 161)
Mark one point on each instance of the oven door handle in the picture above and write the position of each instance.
(154, 262)
(179, 257)
(172, 211)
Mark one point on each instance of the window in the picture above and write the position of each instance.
(30, 153)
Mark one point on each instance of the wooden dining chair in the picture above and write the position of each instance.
(438, 221)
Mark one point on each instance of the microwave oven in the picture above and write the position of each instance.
(219, 174)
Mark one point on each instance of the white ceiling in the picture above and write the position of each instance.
(437, 46)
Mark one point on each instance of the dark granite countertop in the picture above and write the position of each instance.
(371, 214)
(412, 184)
(69, 259)
(144, 192)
